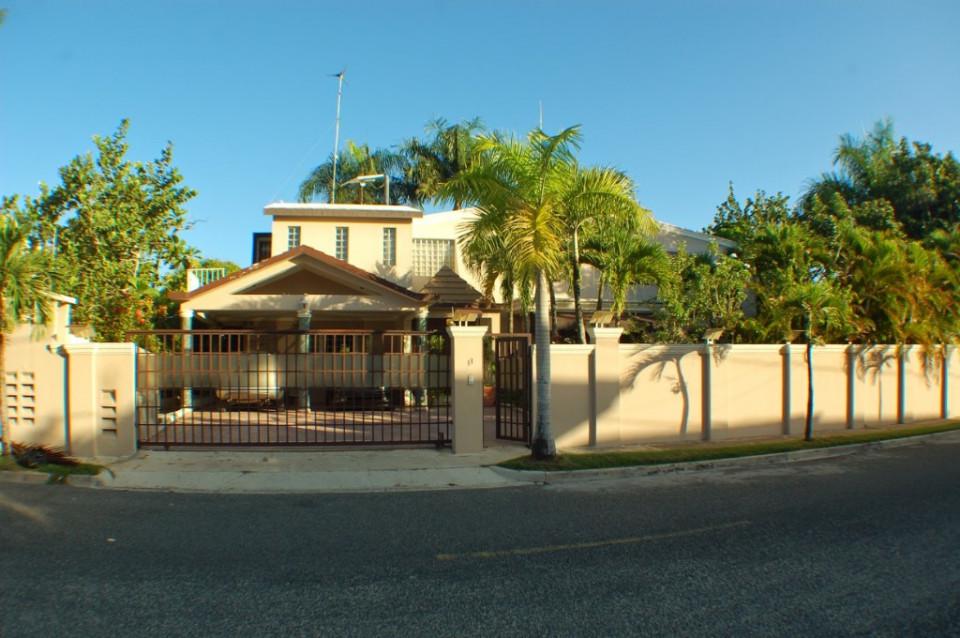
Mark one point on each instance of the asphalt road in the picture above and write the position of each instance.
(867, 545)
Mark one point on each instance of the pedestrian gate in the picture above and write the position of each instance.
(261, 388)
(513, 386)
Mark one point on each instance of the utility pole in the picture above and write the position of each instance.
(336, 136)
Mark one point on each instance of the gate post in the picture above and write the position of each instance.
(101, 391)
(466, 387)
(606, 385)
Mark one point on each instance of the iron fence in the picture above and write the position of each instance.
(315, 387)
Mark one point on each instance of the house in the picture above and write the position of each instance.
(367, 266)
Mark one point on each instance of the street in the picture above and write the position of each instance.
(863, 545)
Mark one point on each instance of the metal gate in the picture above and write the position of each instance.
(262, 388)
(513, 387)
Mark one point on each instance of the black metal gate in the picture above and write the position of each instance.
(261, 388)
(513, 387)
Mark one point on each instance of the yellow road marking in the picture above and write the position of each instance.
(526, 551)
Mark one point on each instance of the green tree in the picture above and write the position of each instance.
(623, 257)
(448, 150)
(356, 160)
(526, 182)
(593, 194)
(25, 280)
(921, 187)
(114, 226)
(697, 293)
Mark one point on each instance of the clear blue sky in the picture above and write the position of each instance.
(685, 96)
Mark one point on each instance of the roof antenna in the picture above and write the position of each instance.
(336, 134)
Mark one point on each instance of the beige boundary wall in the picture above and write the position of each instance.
(67, 393)
(608, 393)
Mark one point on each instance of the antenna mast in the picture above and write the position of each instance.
(336, 137)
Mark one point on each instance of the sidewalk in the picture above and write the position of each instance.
(291, 471)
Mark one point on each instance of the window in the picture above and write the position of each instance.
(389, 246)
(343, 239)
(430, 255)
(293, 237)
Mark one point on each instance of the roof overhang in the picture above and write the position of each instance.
(341, 211)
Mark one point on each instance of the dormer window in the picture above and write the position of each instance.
(389, 246)
(293, 237)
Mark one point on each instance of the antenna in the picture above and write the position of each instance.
(336, 135)
(541, 115)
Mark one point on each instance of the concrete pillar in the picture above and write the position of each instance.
(851, 387)
(186, 323)
(101, 391)
(947, 351)
(903, 359)
(466, 386)
(706, 360)
(787, 410)
(605, 382)
(304, 317)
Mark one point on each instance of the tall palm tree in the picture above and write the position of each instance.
(594, 194)
(25, 280)
(526, 183)
(449, 150)
(359, 159)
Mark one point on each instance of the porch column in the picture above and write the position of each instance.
(466, 387)
(186, 323)
(606, 385)
(304, 316)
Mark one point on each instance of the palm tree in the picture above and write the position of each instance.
(449, 150)
(595, 194)
(623, 257)
(524, 182)
(25, 280)
(356, 160)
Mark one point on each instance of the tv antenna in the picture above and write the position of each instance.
(336, 134)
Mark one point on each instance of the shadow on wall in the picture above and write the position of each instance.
(665, 363)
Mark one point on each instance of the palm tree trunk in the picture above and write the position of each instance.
(510, 316)
(544, 447)
(575, 265)
(554, 330)
(600, 292)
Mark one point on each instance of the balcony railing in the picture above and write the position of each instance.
(199, 277)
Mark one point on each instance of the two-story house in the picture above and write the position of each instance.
(367, 266)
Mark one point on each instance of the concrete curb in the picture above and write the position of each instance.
(546, 478)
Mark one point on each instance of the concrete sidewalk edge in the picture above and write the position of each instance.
(543, 477)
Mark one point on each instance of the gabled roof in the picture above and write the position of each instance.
(292, 254)
(447, 288)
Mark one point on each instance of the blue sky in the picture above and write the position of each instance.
(683, 96)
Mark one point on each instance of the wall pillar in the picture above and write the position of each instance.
(947, 351)
(851, 387)
(101, 392)
(466, 387)
(787, 374)
(186, 323)
(605, 385)
(706, 360)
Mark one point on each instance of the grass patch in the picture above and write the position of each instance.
(9, 464)
(709, 452)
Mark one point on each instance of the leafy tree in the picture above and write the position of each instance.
(114, 227)
(525, 182)
(25, 280)
(921, 187)
(449, 149)
(356, 160)
(698, 293)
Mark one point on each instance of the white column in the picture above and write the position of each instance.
(186, 323)
(606, 385)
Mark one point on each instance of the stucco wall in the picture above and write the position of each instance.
(365, 245)
(679, 392)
